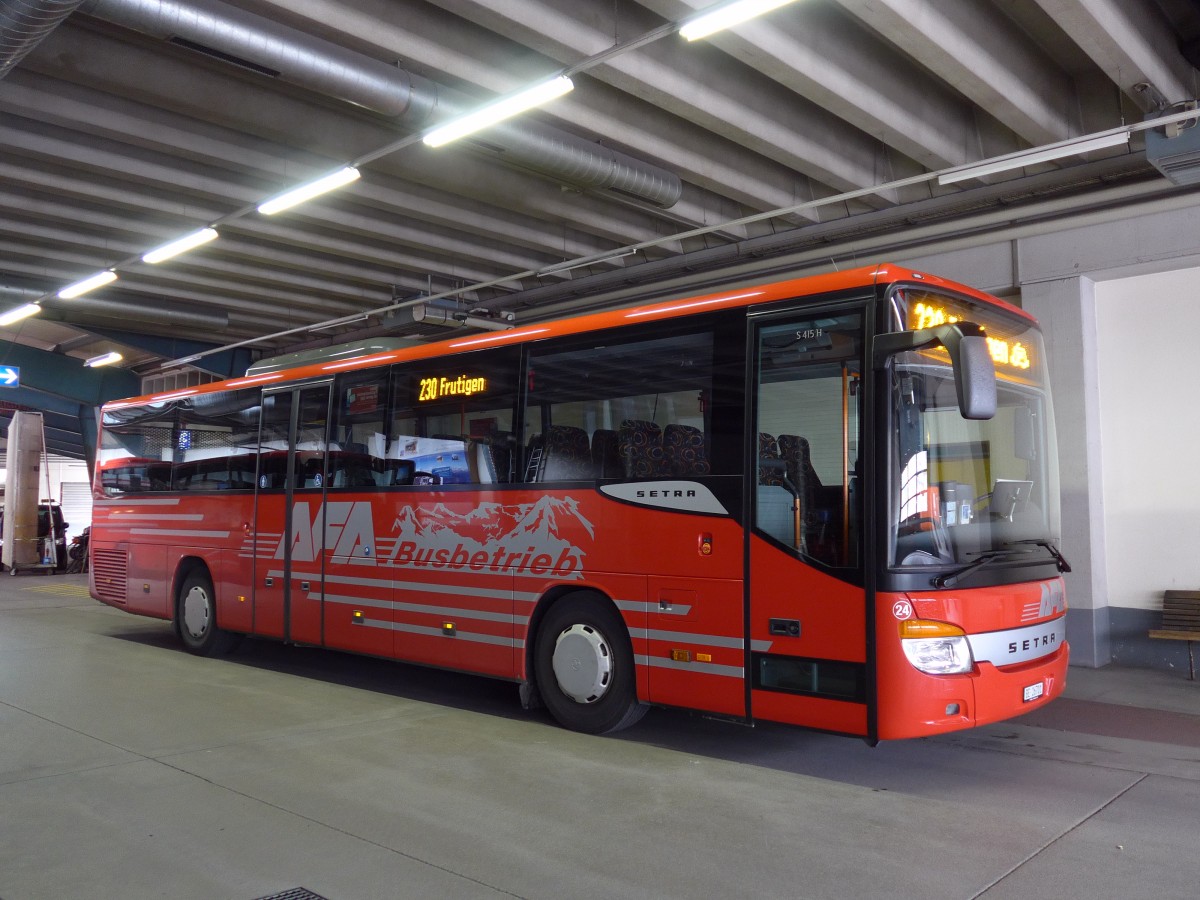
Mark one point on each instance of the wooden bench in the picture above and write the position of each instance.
(1181, 622)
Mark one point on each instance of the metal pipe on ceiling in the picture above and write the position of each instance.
(413, 101)
(97, 309)
(23, 25)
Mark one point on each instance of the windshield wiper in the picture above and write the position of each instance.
(950, 579)
(1059, 561)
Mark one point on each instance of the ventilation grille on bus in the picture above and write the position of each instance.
(109, 574)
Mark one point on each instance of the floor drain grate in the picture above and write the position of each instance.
(299, 893)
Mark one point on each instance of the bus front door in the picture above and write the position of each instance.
(289, 514)
(807, 604)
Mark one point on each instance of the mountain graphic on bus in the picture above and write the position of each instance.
(536, 538)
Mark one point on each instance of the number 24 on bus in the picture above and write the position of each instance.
(829, 501)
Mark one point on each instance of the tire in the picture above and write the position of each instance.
(196, 617)
(583, 662)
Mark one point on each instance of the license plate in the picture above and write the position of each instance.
(1034, 691)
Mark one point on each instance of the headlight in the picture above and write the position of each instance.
(936, 648)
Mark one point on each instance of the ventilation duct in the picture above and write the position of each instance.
(414, 102)
(23, 24)
(1175, 150)
(130, 315)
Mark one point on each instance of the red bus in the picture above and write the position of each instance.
(830, 502)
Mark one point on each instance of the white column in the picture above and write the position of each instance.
(1067, 310)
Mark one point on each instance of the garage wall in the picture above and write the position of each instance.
(1150, 429)
(1119, 301)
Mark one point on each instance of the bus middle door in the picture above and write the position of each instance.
(290, 514)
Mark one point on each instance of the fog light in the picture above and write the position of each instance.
(952, 709)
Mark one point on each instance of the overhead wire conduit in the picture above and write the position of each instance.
(412, 101)
(23, 25)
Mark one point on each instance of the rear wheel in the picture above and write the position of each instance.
(583, 662)
(196, 617)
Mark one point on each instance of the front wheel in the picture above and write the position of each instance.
(196, 617)
(583, 662)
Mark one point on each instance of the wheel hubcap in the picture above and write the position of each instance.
(196, 611)
(582, 663)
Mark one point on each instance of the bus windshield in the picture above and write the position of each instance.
(964, 490)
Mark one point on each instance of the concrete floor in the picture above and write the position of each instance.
(130, 769)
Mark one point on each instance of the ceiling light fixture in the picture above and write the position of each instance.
(88, 284)
(104, 359)
(502, 109)
(296, 196)
(726, 17)
(18, 313)
(1032, 157)
(184, 244)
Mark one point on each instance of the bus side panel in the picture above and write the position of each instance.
(695, 655)
(356, 607)
(231, 581)
(452, 558)
(148, 590)
(463, 622)
(824, 714)
(691, 650)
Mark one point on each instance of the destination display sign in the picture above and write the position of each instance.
(443, 387)
(1012, 351)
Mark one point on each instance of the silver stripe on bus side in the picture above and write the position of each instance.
(460, 590)
(455, 612)
(426, 631)
(637, 606)
(709, 640)
(157, 501)
(157, 517)
(355, 601)
(471, 636)
(170, 532)
(706, 668)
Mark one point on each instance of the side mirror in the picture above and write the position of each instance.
(974, 371)
(975, 378)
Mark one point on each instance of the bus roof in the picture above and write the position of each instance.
(730, 298)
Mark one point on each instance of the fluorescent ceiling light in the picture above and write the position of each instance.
(104, 359)
(1033, 157)
(88, 284)
(727, 16)
(502, 109)
(18, 313)
(298, 195)
(184, 244)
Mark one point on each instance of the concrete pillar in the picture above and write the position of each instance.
(1066, 308)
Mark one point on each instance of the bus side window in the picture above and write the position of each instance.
(624, 405)
(451, 418)
(357, 455)
(808, 435)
